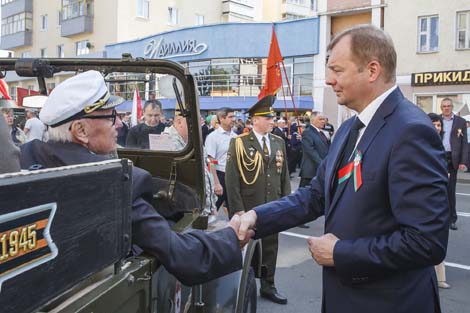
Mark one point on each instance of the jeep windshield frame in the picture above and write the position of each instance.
(188, 161)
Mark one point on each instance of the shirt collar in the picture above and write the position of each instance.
(223, 131)
(448, 119)
(260, 137)
(368, 113)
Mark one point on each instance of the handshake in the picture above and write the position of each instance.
(321, 248)
(243, 223)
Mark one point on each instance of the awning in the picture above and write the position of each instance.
(302, 103)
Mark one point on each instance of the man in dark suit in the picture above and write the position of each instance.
(455, 144)
(257, 173)
(314, 148)
(382, 190)
(83, 128)
(294, 153)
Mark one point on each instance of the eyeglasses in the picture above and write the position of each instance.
(111, 117)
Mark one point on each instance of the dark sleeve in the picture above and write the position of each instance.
(9, 153)
(131, 140)
(302, 206)
(418, 201)
(309, 148)
(193, 257)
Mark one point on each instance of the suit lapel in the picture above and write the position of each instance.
(376, 124)
(334, 154)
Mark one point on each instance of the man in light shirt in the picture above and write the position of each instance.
(34, 128)
(382, 190)
(217, 144)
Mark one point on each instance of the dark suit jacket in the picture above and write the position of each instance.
(314, 150)
(393, 229)
(212, 254)
(458, 142)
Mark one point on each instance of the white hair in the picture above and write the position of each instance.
(60, 133)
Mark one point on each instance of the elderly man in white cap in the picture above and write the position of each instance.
(82, 128)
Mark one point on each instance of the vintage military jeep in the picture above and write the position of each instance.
(65, 232)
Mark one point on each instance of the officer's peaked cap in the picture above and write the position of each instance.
(263, 107)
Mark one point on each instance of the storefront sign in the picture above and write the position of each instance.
(158, 48)
(441, 78)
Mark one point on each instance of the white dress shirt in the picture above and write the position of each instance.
(368, 113)
(217, 144)
(260, 140)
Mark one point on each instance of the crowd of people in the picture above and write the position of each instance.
(387, 215)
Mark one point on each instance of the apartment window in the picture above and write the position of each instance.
(60, 51)
(76, 8)
(143, 8)
(81, 47)
(17, 23)
(44, 53)
(172, 16)
(59, 18)
(463, 30)
(199, 19)
(313, 5)
(6, 1)
(26, 54)
(44, 22)
(428, 34)
(288, 16)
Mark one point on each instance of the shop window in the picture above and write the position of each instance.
(428, 33)
(463, 30)
(425, 103)
(143, 8)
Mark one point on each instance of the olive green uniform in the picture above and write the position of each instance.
(250, 183)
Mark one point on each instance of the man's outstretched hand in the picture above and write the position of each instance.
(247, 225)
(235, 223)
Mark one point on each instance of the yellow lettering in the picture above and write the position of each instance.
(457, 76)
(427, 77)
(438, 77)
(466, 78)
(447, 77)
(418, 79)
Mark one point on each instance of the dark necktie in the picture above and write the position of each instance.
(323, 137)
(265, 147)
(348, 149)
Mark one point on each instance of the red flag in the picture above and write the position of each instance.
(4, 89)
(136, 107)
(24, 92)
(273, 69)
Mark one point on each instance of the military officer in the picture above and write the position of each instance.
(257, 173)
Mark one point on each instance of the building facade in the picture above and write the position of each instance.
(432, 39)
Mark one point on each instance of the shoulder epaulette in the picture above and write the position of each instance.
(242, 135)
(277, 137)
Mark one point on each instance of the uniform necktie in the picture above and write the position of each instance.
(265, 147)
(348, 149)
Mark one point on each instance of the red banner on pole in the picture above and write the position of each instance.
(273, 69)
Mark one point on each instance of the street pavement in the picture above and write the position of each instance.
(299, 278)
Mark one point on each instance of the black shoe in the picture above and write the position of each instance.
(303, 226)
(273, 295)
(453, 226)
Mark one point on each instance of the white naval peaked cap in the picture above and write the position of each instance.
(77, 96)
